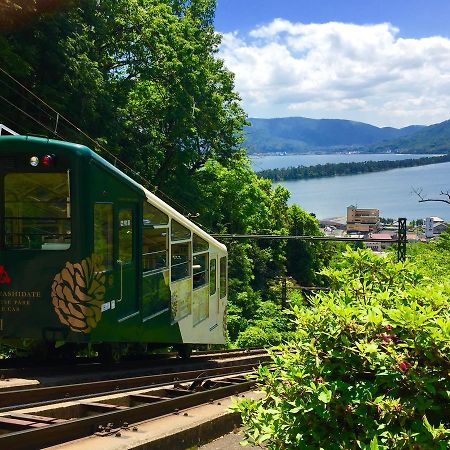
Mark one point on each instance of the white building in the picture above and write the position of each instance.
(434, 226)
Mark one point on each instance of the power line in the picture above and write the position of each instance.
(25, 98)
(111, 155)
(17, 126)
(30, 116)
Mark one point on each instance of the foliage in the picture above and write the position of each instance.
(305, 259)
(432, 257)
(369, 367)
(255, 336)
(270, 325)
(233, 199)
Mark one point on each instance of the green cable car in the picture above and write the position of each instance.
(87, 255)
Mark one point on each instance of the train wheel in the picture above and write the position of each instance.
(110, 352)
(48, 351)
(184, 350)
(105, 352)
(68, 352)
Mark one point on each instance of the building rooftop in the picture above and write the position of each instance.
(436, 219)
(383, 235)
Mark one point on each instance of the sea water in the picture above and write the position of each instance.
(393, 192)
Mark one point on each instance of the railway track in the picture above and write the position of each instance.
(41, 417)
(32, 368)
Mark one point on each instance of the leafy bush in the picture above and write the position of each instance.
(236, 323)
(257, 337)
(369, 367)
(270, 325)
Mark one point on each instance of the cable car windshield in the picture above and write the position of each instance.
(37, 211)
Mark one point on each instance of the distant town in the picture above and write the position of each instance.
(367, 223)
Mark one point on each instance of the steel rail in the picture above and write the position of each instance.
(13, 400)
(49, 435)
(300, 238)
(25, 364)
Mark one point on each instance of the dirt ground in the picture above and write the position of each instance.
(228, 442)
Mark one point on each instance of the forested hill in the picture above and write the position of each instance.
(431, 139)
(352, 168)
(300, 134)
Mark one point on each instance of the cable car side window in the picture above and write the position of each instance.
(200, 263)
(126, 236)
(180, 261)
(103, 233)
(223, 277)
(179, 232)
(153, 216)
(200, 270)
(155, 234)
(212, 277)
(180, 251)
(37, 211)
(155, 262)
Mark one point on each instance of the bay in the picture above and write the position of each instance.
(392, 191)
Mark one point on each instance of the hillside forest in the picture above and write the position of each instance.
(304, 135)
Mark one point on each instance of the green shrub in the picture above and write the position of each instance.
(257, 337)
(235, 322)
(270, 325)
(369, 367)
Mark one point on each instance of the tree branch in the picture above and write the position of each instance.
(423, 198)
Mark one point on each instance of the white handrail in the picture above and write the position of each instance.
(5, 128)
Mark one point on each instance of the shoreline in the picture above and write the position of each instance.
(330, 170)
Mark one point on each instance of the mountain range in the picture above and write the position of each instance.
(303, 135)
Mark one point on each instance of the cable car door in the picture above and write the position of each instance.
(126, 262)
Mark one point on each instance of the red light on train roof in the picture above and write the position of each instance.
(47, 160)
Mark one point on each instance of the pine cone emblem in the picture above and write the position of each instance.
(77, 294)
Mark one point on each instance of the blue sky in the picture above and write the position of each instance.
(381, 62)
(415, 18)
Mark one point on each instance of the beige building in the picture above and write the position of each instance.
(361, 220)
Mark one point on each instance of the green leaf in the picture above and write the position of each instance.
(325, 396)
(296, 410)
(264, 438)
(374, 443)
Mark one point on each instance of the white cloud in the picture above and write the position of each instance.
(340, 70)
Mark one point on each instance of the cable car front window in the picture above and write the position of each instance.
(37, 211)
